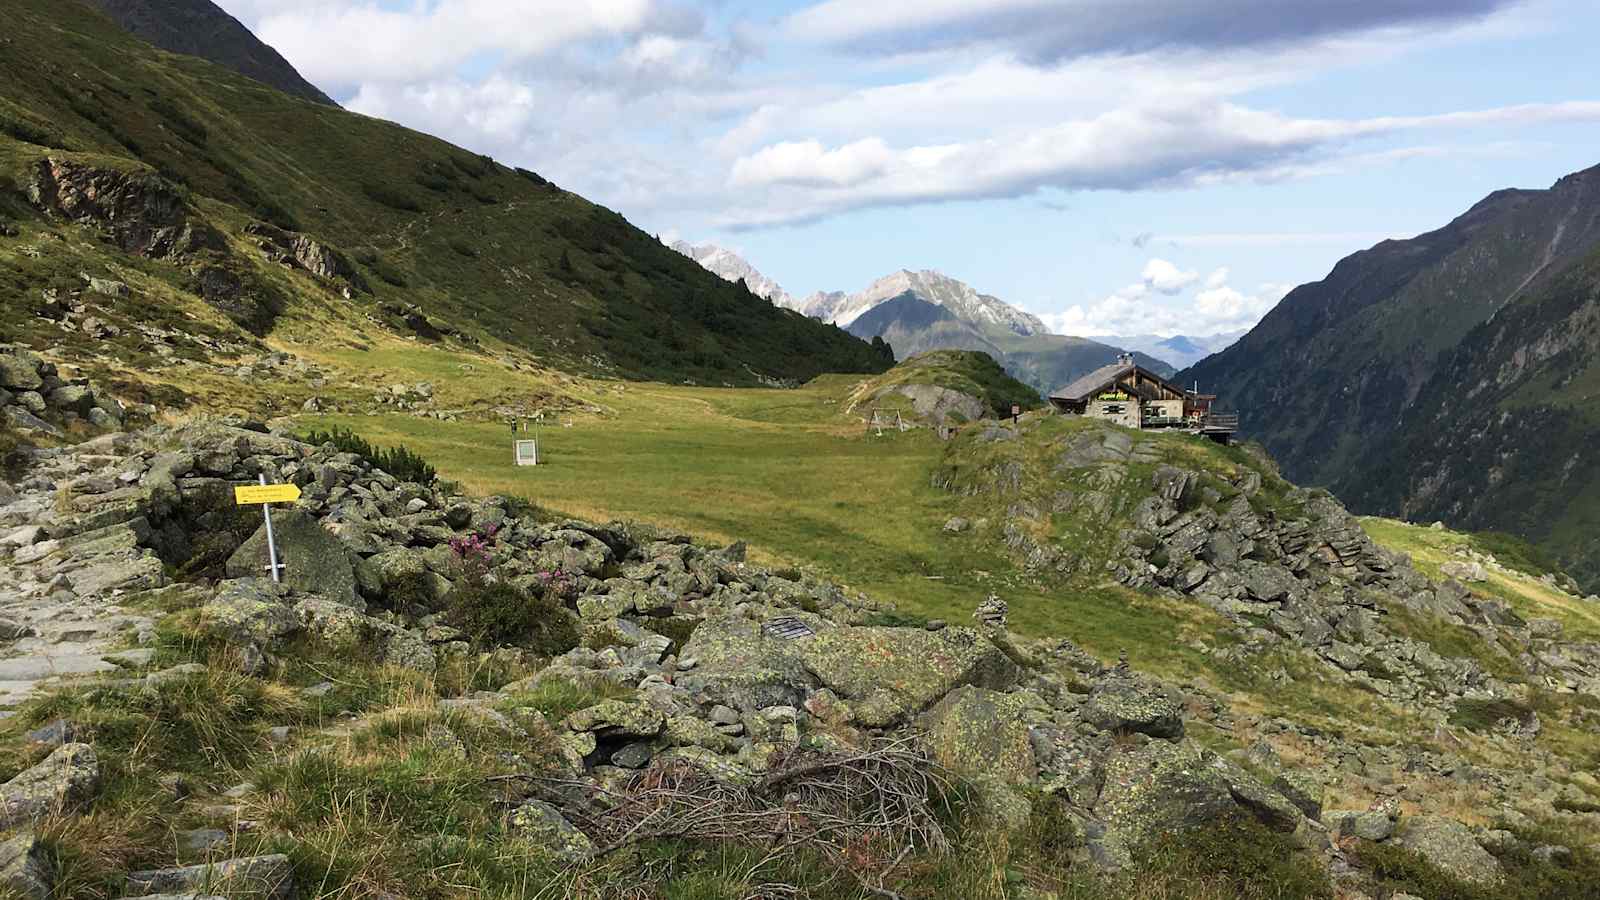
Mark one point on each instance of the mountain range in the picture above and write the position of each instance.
(1181, 350)
(1450, 376)
(916, 312)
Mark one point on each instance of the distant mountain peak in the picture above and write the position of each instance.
(732, 267)
(201, 28)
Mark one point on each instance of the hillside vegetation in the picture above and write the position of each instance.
(302, 222)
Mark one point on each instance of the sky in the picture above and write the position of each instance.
(1113, 166)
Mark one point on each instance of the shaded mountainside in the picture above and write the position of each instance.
(913, 325)
(201, 28)
(1425, 342)
(1503, 436)
(228, 209)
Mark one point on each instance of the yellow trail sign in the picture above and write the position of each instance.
(249, 495)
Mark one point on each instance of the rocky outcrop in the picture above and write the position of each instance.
(300, 251)
(34, 398)
(143, 213)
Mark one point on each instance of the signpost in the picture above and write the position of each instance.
(266, 495)
(1016, 413)
(527, 453)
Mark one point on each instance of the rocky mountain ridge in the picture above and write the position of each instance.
(1427, 343)
(730, 266)
(201, 28)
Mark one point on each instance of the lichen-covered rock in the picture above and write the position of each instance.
(543, 825)
(342, 628)
(64, 781)
(249, 611)
(740, 665)
(313, 560)
(1126, 704)
(268, 877)
(1373, 825)
(981, 733)
(25, 869)
(898, 672)
(618, 718)
(1450, 846)
(1152, 788)
(1302, 789)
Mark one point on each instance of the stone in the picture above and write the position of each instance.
(1450, 846)
(342, 628)
(201, 840)
(899, 672)
(249, 611)
(1125, 704)
(268, 877)
(19, 370)
(314, 560)
(1302, 789)
(1374, 825)
(981, 733)
(54, 734)
(618, 718)
(632, 756)
(64, 781)
(1466, 571)
(1156, 787)
(25, 869)
(543, 825)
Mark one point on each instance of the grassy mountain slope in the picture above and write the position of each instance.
(501, 256)
(201, 28)
(969, 372)
(912, 325)
(1416, 346)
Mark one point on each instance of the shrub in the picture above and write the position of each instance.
(384, 195)
(435, 183)
(1236, 857)
(463, 248)
(180, 122)
(533, 177)
(500, 613)
(1484, 715)
(401, 462)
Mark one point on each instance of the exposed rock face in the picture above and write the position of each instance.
(24, 867)
(304, 252)
(938, 403)
(144, 214)
(1450, 846)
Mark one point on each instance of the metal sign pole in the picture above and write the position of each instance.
(272, 544)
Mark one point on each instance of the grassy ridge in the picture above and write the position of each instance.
(499, 253)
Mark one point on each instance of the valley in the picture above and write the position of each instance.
(805, 598)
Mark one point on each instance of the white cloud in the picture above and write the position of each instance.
(350, 43)
(1144, 308)
(1167, 278)
(1130, 148)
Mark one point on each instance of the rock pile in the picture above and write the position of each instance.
(729, 669)
(34, 398)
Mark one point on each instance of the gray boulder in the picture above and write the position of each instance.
(248, 878)
(1130, 705)
(25, 871)
(314, 560)
(64, 781)
(249, 611)
(1450, 846)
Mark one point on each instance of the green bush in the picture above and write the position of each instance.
(500, 614)
(1237, 857)
(401, 462)
(1483, 715)
(385, 195)
(463, 248)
